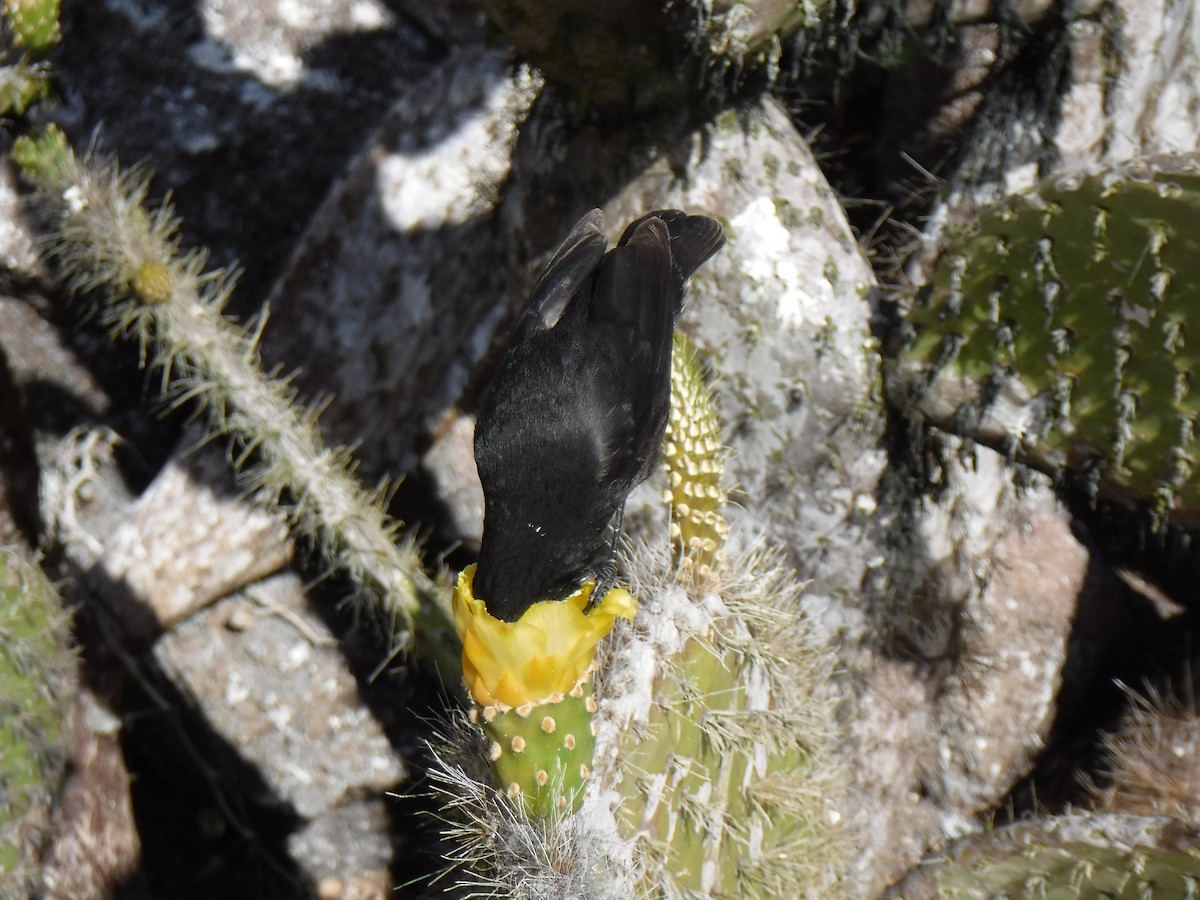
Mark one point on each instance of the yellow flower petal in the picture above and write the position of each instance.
(545, 652)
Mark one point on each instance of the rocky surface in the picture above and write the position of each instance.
(265, 672)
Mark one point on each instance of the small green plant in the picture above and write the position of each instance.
(36, 666)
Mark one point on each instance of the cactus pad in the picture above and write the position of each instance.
(1057, 325)
(729, 783)
(1068, 857)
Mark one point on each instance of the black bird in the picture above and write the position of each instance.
(578, 405)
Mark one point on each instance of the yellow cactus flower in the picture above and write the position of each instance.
(544, 653)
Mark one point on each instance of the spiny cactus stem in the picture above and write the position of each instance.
(107, 243)
(245, 403)
(693, 456)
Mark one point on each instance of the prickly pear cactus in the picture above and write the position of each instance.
(729, 784)
(725, 767)
(714, 772)
(1067, 857)
(1057, 325)
(35, 665)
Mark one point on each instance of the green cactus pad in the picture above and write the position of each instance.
(728, 786)
(35, 663)
(694, 458)
(1057, 325)
(542, 755)
(1066, 858)
(728, 789)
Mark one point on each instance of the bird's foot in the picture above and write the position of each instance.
(606, 579)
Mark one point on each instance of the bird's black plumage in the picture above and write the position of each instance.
(576, 412)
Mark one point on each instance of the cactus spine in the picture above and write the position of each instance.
(35, 673)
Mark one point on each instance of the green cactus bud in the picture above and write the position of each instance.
(21, 86)
(1056, 325)
(30, 32)
(35, 665)
(542, 754)
(44, 157)
(153, 282)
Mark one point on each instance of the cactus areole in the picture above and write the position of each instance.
(532, 681)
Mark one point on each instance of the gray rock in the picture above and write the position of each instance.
(347, 845)
(244, 112)
(782, 313)
(267, 675)
(392, 295)
(191, 538)
(951, 704)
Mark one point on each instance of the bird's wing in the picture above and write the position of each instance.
(631, 318)
(569, 269)
(693, 238)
